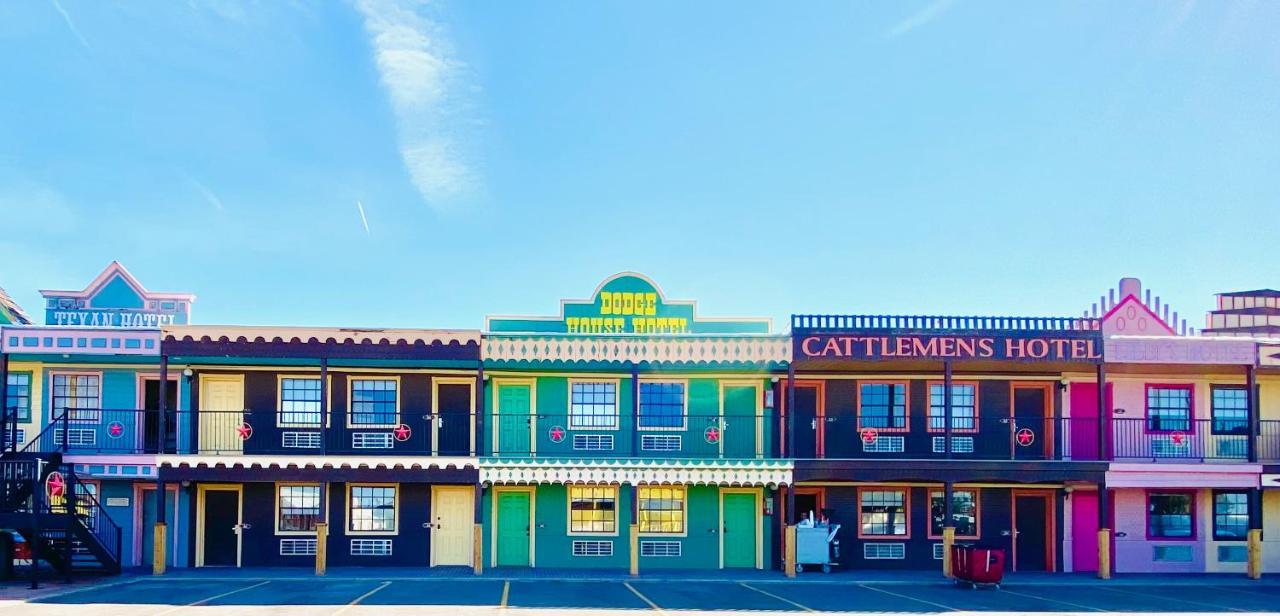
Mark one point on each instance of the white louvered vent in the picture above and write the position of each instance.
(372, 440)
(593, 548)
(300, 440)
(885, 444)
(660, 548)
(297, 547)
(937, 551)
(884, 551)
(76, 437)
(660, 442)
(371, 547)
(593, 442)
(959, 444)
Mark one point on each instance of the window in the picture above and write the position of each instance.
(593, 404)
(76, 395)
(1169, 515)
(1230, 516)
(371, 509)
(593, 509)
(1168, 408)
(883, 512)
(298, 508)
(882, 406)
(662, 405)
(1230, 409)
(300, 402)
(662, 510)
(964, 512)
(18, 396)
(964, 407)
(373, 402)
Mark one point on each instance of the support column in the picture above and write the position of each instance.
(1103, 413)
(477, 409)
(163, 420)
(1251, 399)
(789, 443)
(322, 547)
(324, 406)
(634, 531)
(6, 427)
(477, 533)
(948, 527)
(1255, 534)
(787, 516)
(946, 412)
(635, 409)
(1104, 532)
(160, 543)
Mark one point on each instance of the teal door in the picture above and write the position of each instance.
(740, 421)
(514, 421)
(148, 532)
(739, 533)
(513, 529)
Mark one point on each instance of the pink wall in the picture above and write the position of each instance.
(1134, 553)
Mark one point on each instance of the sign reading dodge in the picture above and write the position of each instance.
(1074, 346)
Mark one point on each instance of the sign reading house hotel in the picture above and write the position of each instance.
(1050, 346)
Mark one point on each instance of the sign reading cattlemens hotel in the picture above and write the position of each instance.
(1083, 346)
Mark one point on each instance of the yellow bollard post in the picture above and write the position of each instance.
(789, 560)
(322, 547)
(477, 549)
(1255, 553)
(635, 549)
(159, 555)
(948, 540)
(1104, 553)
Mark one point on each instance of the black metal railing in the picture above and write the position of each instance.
(668, 436)
(1180, 439)
(846, 436)
(839, 322)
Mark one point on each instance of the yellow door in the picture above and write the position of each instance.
(222, 422)
(452, 513)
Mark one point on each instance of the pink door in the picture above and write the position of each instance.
(1084, 530)
(1083, 425)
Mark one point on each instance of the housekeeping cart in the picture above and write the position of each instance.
(816, 545)
(977, 566)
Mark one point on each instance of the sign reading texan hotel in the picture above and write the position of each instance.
(880, 345)
(116, 299)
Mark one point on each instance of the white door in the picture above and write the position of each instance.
(222, 420)
(452, 511)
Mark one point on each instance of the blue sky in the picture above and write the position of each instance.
(932, 156)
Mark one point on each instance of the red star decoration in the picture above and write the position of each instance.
(1178, 437)
(245, 431)
(116, 428)
(1026, 436)
(57, 485)
(869, 435)
(557, 434)
(402, 432)
(713, 435)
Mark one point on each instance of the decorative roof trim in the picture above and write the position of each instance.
(247, 334)
(114, 268)
(326, 461)
(720, 473)
(10, 307)
(711, 349)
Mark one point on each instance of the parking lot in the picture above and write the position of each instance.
(350, 596)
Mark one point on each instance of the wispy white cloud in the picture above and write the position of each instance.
(925, 15)
(419, 72)
(71, 25)
(210, 197)
(364, 221)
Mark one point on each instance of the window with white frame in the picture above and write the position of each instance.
(1230, 515)
(18, 395)
(593, 404)
(373, 402)
(964, 407)
(1229, 407)
(299, 507)
(883, 512)
(662, 405)
(371, 509)
(593, 509)
(1168, 408)
(77, 395)
(300, 402)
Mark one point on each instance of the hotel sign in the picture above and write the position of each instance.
(1066, 346)
(116, 299)
(1180, 351)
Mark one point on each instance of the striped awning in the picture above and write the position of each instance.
(636, 472)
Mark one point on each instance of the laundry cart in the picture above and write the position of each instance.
(816, 545)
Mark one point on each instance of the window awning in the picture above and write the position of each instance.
(771, 473)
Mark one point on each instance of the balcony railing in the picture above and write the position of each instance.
(1155, 439)
(842, 322)
(664, 437)
(925, 438)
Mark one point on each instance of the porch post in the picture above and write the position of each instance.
(634, 530)
(160, 542)
(948, 527)
(789, 444)
(1255, 534)
(322, 547)
(477, 533)
(1104, 532)
(946, 410)
(1102, 412)
(787, 516)
(635, 409)
(1251, 399)
(324, 404)
(477, 405)
(6, 428)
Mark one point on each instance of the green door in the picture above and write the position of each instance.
(739, 536)
(740, 421)
(513, 529)
(513, 420)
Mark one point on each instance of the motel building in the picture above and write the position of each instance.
(630, 432)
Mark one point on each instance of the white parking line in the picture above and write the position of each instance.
(644, 598)
(1027, 594)
(908, 597)
(208, 599)
(782, 599)
(357, 600)
(1162, 597)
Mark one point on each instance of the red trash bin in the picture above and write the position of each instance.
(978, 566)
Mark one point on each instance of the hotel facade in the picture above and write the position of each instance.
(628, 431)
